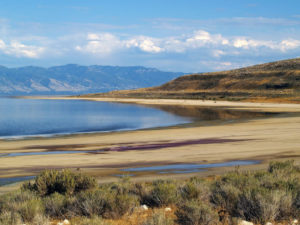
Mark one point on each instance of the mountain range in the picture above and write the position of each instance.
(76, 79)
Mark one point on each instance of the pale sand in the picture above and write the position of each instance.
(270, 107)
(276, 138)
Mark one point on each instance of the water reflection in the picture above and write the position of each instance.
(32, 117)
(212, 113)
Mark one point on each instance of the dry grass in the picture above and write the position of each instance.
(271, 82)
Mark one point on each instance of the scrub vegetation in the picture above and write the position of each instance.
(270, 82)
(271, 195)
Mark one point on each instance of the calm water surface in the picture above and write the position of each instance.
(30, 117)
(190, 168)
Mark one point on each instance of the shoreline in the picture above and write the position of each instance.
(264, 139)
(260, 106)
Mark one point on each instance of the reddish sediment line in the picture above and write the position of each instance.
(169, 145)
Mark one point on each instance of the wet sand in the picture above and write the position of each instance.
(265, 139)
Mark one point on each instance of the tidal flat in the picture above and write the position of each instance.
(264, 133)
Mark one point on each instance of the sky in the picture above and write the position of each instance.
(171, 35)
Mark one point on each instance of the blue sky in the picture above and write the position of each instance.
(177, 35)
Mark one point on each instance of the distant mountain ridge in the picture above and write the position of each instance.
(273, 82)
(76, 79)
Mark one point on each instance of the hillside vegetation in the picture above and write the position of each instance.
(275, 81)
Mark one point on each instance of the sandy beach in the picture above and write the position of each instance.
(264, 139)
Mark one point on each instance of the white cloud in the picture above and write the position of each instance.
(248, 43)
(202, 38)
(289, 44)
(240, 43)
(146, 44)
(18, 49)
(103, 43)
(209, 44)
(106, 43)
(91, 36)
(187, 46)
(149, 46)
(283, 45)
(174, 45)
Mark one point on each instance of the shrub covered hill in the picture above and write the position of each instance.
(276, 81)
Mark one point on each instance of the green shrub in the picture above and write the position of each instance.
(158, 218)
(189, 191)
(259, 196)
(10, 218)
(286, 207)
(55, 205)
(63, 182)
(143, 190)
(259, 205)
(107, 203)
(29, 209)
(286, 166)
(195, 189)
(117, 205)
(196, 213)
(296, 201)
(90, 203)
(226, 197)
(163, 193)
(24, 204)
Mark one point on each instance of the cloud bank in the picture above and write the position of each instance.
(188, 51)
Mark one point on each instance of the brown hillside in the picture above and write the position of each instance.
(276, 81)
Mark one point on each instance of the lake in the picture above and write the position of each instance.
(21, 118)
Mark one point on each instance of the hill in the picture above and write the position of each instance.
(76, 79)
(275, 81)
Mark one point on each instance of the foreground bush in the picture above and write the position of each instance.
(21, 206)
(63, 182)
(260, 196)
(195, 188)
(196, 213)
(108, 205)
(10, 218)
(161, 193)
(55, 205)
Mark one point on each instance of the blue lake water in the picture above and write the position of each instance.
(15, 154)
(189, 168)
(31, 117)
(12, 180)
